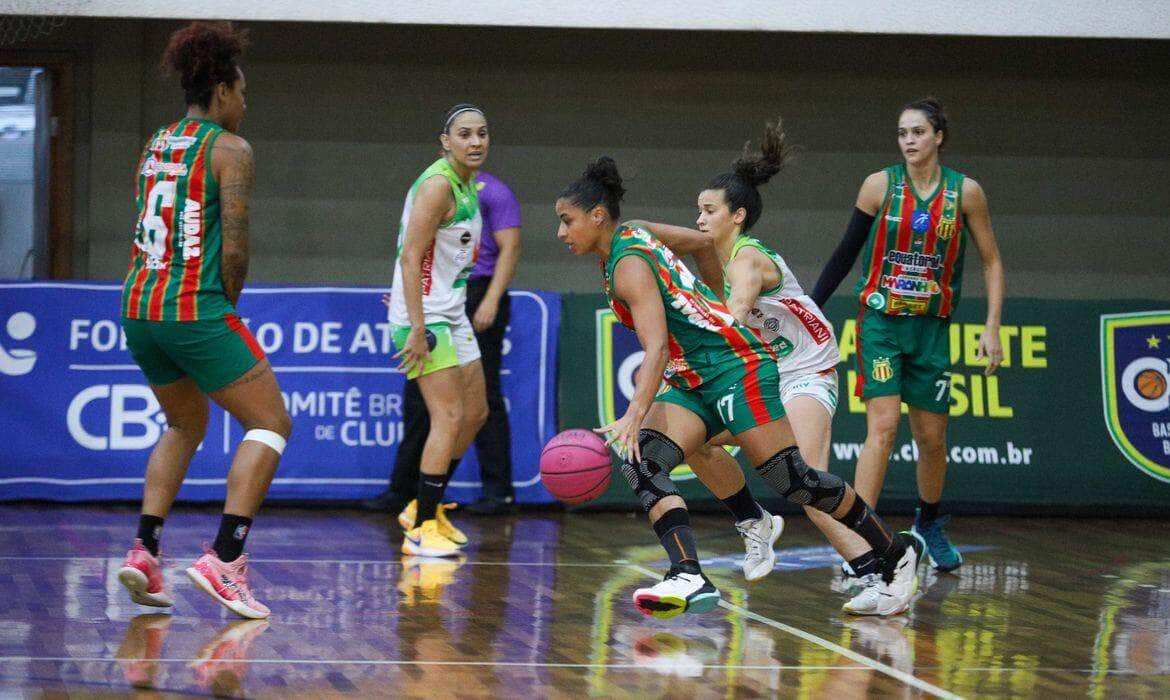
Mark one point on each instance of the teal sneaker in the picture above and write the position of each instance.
(943, 555)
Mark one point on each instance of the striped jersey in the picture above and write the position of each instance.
(914, 253)
(175, 262)
(704, 339)
(790, 320)
(450, 257)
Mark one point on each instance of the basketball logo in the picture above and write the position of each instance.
(882, 372)
(1150, 384)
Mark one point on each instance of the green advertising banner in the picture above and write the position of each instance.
(1078, 416)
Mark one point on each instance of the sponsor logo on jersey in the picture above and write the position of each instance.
(900, 305)
(875, 300)
(1135, 377)
(192, 229)
(910, 286)
(881, 370)
(812, 323)
(152, 166)
(166, 141)
(920, 220)
(913, 259)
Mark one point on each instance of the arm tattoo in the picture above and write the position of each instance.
(234, 191)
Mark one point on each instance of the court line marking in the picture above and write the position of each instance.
(259, 560)
(537, 664)
(408, 662)
(902, 676)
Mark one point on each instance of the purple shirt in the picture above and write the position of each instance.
(500, 210)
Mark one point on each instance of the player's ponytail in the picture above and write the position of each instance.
(601, 183)
(204, 54)
(741, 185)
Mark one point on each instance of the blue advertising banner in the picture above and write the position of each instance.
(79, 420)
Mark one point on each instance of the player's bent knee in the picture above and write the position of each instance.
(270, 438)
(791, 477)
(650, 478)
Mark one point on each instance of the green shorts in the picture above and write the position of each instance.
(907, 356)
(736, 403)
(214, 352)
(453, 345)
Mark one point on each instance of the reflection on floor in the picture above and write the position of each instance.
(540, 605)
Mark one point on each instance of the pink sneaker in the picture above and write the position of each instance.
(142, 575)
(227, 583)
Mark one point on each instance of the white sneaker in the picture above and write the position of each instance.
(759, 536)
(676, 593)
(877, 597)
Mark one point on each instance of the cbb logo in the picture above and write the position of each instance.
(18, 362)
(1144, 384)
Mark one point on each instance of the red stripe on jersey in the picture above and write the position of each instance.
(857, 351)
(189, 288)
(683, 370)
(134, 304)
(233, 322)
(905, 228)
(949, 260)
(879, 250)
(751, 390)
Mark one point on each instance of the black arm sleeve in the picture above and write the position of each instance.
(843, 257)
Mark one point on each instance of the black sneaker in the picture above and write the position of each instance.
(492, 506)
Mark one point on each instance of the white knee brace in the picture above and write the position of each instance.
(273, 439)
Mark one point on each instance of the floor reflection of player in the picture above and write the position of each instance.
(221, 664)
(141, 648)
(450, 612)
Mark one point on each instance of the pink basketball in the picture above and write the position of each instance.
(576, 466)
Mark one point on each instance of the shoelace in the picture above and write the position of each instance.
(754, 542)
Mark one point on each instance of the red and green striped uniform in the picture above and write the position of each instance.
(175, 263)
(704, 339)
(914, 254)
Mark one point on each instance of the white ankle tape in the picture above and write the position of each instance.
(273, 439)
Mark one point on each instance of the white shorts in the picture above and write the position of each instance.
(463, 338)
(822, 387)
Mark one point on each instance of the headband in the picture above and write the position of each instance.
(457, 112)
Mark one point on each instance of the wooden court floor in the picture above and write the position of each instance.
(540, 607)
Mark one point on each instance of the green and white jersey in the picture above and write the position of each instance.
(790, 320)
(449, 259)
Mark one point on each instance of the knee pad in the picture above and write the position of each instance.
(787, 473)
(268, 437)
(650, 478)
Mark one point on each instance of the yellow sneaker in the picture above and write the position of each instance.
(427, 541)
(422, 579)
(446, 527)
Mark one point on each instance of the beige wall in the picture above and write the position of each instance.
(1068, 137)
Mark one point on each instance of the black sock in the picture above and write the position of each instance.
(233, 532)
(927, 511)
(149, 531)
(677, 538)
(866, 523)
(430, 494)
(867, 563)
(742, 505)
(453, 466)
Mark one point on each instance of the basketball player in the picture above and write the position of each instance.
(763, 294)
(187, 268)
(721, 376)
(913, 219)
(437, 242)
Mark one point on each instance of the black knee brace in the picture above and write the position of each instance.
(787, 472)
(650, 478)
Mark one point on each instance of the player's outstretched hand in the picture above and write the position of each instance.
(991, 348)
(623, 434)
